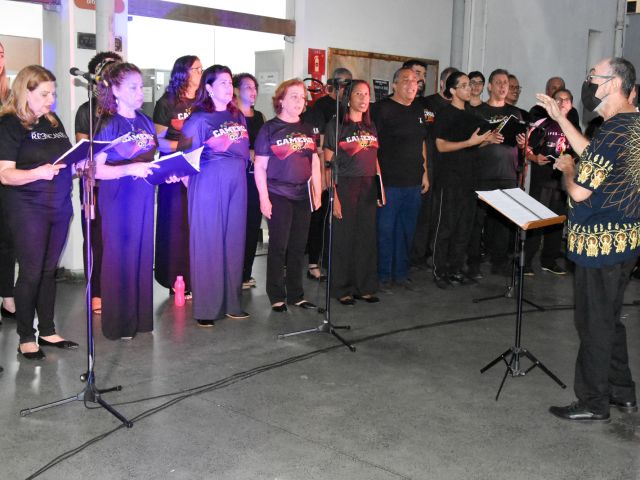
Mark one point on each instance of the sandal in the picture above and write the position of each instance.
(319, 277)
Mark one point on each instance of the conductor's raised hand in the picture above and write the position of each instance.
(48, 171)
(550, 105)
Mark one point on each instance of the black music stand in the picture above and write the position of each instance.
(516, 248)
(527, 214)
(91, 393)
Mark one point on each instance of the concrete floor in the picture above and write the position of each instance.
(235, 402)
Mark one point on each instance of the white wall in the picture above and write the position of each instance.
(537, 40)
(420, 28)
(227, 46)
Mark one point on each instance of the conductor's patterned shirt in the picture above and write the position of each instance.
(605, 228)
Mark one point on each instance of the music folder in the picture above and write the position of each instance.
(520, 208)
(179, 164)
(80, 152)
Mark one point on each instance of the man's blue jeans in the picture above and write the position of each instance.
(396, 227)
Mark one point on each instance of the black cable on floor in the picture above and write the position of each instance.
(237, 377)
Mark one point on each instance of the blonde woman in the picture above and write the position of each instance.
(37, 197)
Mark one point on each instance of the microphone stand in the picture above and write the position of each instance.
(327, 326)
(91, 393)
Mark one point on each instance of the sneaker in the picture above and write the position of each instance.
(473, 272)
(251, 283)
(457, 279)
(554, 268)
(528, 271)
(579, 412)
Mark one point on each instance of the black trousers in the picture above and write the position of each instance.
(602, 366)
(453, 229)
(316, 239)
(7, 254)
(254, 218)
(96, 241)
(39, 235)
(288, 232)
(354, 258)
(556, 200)
(492, 226)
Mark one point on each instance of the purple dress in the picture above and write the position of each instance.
(126, 205)
(217, 212)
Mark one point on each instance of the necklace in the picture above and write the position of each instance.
(130, 122)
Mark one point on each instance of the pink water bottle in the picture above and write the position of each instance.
(178, 289)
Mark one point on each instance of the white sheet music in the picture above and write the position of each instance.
(516, 205)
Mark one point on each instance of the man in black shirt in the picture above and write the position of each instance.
(423, 238)
(553, 85)
(496, 168)
(403, 162)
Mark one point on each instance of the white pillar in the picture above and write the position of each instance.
(457, 33)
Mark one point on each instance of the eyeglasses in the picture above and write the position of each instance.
(197, 69)
(592, 76)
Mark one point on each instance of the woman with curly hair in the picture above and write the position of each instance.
(126, 204)
(172, 227)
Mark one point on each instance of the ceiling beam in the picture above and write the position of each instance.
(211, 16)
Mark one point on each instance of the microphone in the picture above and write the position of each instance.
(89, 77)
(531, 125)
(339, 82)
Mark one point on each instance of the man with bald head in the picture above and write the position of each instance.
(552, 86)
(603, 238)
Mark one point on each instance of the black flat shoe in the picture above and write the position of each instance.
(39, 355)
(205, 323)
(625, 407)
(368, 298)
(579, 412)
(6, 313)
(305, 304)
(279, 308)
(65, 344)
(348, 301)
(237, 316)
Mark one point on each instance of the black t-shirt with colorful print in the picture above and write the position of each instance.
(138, 143)
(224, 135)
(290, 148)
(358, 148)
(171, 112)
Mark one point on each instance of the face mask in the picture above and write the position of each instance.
(588, 96)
